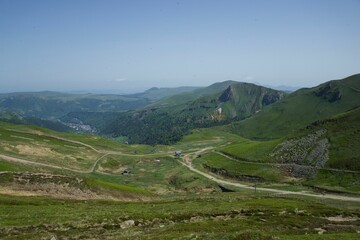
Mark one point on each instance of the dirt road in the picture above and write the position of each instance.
(28, 162)
(188, 163)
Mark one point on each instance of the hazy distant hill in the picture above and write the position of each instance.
(160, 93)
(95, 109)
(301, 108)
(16, 118)
(51, 105)
(168, 120)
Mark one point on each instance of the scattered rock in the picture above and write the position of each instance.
(127, 224)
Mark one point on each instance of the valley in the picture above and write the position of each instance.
(213, 178)
(179, 120)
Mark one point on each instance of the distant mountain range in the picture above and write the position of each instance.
(164, 115)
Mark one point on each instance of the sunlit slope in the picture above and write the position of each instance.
(301, 108)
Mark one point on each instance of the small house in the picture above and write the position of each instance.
(177, 153)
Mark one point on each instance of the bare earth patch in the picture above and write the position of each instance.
(13, 192)
(341, 218)
(55, 186)
(38, 151)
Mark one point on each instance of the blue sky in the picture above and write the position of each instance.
(134, 45)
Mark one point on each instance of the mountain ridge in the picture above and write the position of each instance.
(301, 108)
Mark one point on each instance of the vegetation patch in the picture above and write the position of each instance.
(241, 170)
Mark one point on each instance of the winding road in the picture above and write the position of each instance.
(186, 161)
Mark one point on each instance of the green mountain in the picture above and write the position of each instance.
(155, 93)
(301, 108)
(166, 121)
(184, 98)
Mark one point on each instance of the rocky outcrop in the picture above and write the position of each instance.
(227, 95)
(329, 92)
(270, 98)
(308, 151)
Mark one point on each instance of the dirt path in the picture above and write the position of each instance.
(56, 137)
(28, 162)
(104, 152)
(188, 163)
(107, 152)
(96, 162)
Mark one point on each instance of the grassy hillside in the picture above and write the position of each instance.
(341, 133)
(97, 162)
(301, 108)
(71, 186)
(168, 120)
(240, 170)
(324, 155)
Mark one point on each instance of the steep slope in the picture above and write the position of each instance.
(168, 120)
(186, 97)
(301, 108)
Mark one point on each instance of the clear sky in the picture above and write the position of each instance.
(133, 45)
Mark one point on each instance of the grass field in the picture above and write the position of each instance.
(248, 150)
(336, 181)
(225, 216)
(241, 170)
